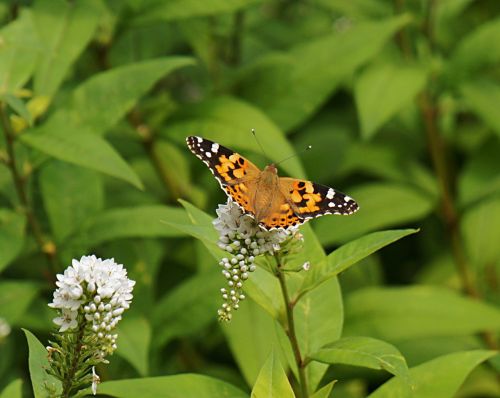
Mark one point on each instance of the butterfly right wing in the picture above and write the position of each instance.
(236, 174)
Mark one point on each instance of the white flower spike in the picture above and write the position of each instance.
(243, 239)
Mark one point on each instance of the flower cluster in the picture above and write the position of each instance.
(98, 289)
(91, 296)
(241, 236)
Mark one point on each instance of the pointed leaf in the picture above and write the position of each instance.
(481, 229)
(64, 28)
(366, 352)
(414, 312)
(18, 52)
(181, 9)
(101, 101)
(228, 121)
(382, 91)
(351, 253)
(12, 230)
(134, 342)
(250, 345)
(188, 308)
(38, 362)
(15, 298)
(291, 87)
(382, 205)
(84, 149)
(182, 385)
(13, 390)
(325, 391)
(80, 194)
(439, 378)
(474, 51)
(272, 381)
(482, 97)
(136, 222)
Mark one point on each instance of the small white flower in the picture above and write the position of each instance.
(242, 237)
(67, 320)
(95, 381)
(98, 289)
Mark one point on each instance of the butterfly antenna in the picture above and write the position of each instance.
(258, 143)
(295, 154)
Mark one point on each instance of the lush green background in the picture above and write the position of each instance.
(400, 100)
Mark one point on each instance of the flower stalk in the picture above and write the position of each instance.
(290, 331)
(91, 297)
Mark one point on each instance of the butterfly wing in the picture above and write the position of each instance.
(236, 174)
(310, 200)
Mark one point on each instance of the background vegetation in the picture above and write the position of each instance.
(400, 100)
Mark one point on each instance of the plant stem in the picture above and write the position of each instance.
(69, 378)
(47, 248)
(292, 336)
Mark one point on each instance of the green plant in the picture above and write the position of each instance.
(399, 100)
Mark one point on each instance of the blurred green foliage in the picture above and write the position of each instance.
(400, 100)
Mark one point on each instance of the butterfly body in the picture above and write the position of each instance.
(274, 202)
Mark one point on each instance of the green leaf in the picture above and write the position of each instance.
(483, 97)
(134, 341)
(38, 362)
(319, 316)
(381, 91)
(475, 50)
(18, 106)
(18, 52)
(183, 385)
(181, 9)
(264, 289)
(251, 345)
(439, 378)
(351, 253)
(13, 390)
(64, 28)
(481, 229)
(102, 100)
(325, 391)
(272, 381)
(414, 312)
(366, 352)
(15, 298)
(135, 222)
(381, 205)
(291, 87)
(188, 308)
(480, 177)
(229, 121)
(318, 320)
(12, 230)
(79, 193)
(82, 148)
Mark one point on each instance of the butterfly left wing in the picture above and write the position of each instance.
(234, 172)
(310, 200)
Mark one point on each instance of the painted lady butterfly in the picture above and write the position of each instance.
(275, 202)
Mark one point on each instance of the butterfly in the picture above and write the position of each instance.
(274, 202)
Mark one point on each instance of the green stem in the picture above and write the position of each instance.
(70, 375)
(292, 335)
(46, 247)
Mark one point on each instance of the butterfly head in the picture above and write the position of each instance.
(271, 168)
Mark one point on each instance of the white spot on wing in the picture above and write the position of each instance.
(347, 198)
(330, 194)
(200, 140)
(209, 155)
(215, 147)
